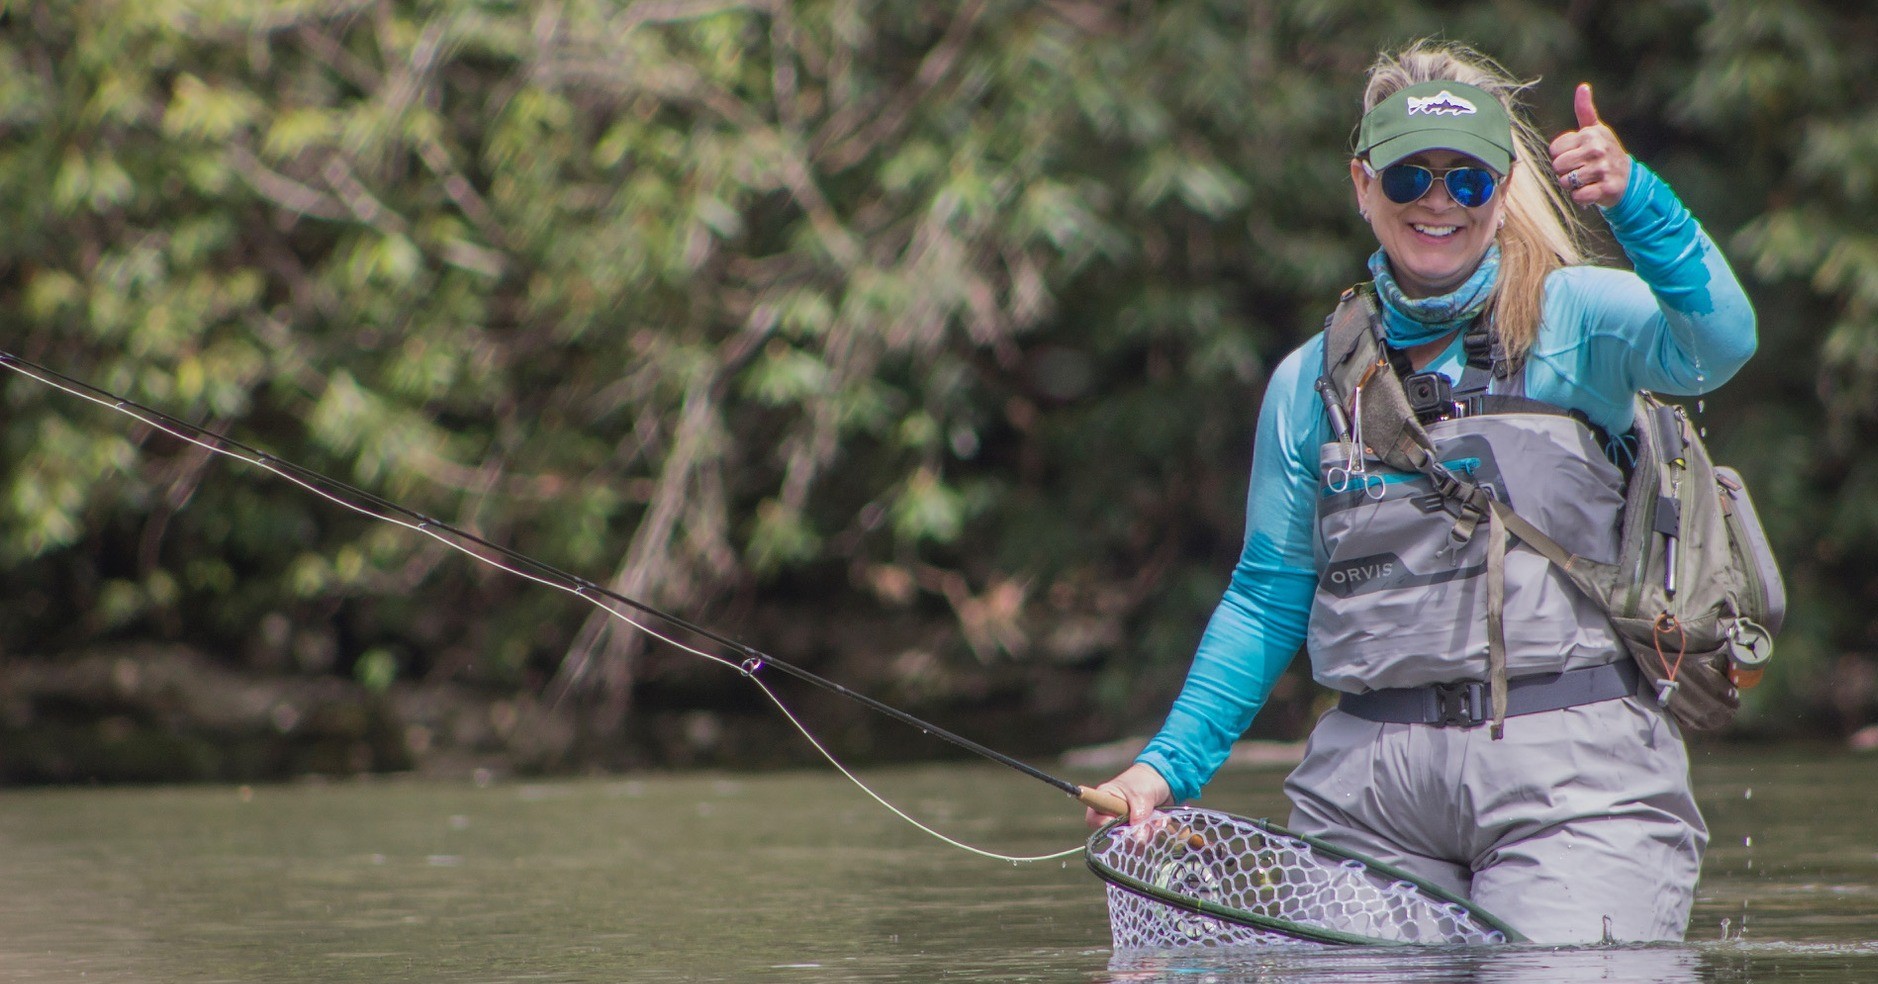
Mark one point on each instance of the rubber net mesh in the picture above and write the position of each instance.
(1257, 883)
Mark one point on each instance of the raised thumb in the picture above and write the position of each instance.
(1587, 110)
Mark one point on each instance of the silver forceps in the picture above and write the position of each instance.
(1349, 429)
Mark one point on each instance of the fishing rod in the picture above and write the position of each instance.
(1168, 874)
(750, 661)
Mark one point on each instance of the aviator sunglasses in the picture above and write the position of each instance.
(1470, 185)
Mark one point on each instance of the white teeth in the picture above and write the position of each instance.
(1437, 231)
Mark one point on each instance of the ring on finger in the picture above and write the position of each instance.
(1574, 180)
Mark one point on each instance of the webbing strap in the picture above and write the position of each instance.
(1496, 619)
(1463, 704)
(1479, 368)
(1531, 536)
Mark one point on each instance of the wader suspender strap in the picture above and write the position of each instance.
(1392, 433)
(1479, 369)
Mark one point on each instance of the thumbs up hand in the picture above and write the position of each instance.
(1589, 161)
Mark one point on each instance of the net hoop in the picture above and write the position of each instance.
(1185, 882)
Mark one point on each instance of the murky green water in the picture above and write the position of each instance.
(791, 878)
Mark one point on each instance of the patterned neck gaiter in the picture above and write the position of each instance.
(1410, 321)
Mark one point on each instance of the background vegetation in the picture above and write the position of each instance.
(919, 344)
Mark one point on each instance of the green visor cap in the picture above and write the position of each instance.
(1439, 115)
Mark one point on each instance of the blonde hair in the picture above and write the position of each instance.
(1543, 232)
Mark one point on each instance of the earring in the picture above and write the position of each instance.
(1365, 214)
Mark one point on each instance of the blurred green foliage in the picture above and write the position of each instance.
(951, 317)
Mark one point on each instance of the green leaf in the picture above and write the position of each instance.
(780, 537)
(201, 111)
(376, 669)
(927, 509)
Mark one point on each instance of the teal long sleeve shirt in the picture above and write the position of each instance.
(1680, 324)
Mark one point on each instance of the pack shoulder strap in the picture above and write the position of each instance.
(1359, 378)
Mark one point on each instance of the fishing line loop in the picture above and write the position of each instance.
(529, 569)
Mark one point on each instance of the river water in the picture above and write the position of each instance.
(795, 877)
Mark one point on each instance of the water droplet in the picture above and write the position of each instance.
(1747, 842)
(1701, 405)
(1749, 794)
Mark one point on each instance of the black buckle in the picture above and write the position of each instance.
(1460, 705)
(1444, 481)
(1478, 346)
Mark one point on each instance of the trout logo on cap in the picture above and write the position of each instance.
(1443, 103)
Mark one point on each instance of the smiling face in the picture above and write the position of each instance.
(1433, 243)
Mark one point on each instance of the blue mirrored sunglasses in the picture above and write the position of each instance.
(1470, 185)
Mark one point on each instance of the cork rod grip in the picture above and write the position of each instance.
(1102, 801)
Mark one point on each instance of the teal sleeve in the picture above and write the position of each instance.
(1260, 623)
(1679, 324)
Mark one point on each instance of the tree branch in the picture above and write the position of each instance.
(282, 190)
(844, 148)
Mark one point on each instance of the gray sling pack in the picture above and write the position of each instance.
(1694, 594)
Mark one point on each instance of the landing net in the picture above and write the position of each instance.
(1192, 878)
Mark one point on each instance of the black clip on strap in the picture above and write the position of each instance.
(1460, 705)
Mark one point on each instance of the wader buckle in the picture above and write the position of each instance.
(1460, 705)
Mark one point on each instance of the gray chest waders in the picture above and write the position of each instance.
(1691, 592)
(1417, 584)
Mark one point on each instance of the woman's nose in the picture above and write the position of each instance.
(1437, 197)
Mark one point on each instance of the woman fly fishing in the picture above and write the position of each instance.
(1574, 822)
